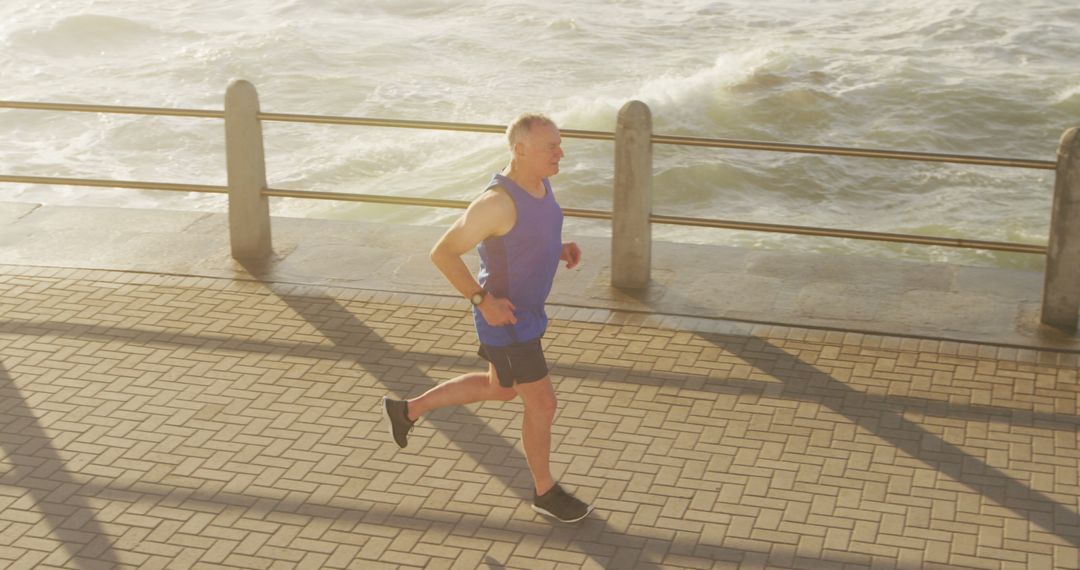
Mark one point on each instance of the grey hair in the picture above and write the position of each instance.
(517, 130)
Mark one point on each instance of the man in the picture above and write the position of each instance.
(517, 227)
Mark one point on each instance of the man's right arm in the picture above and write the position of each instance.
(491, 214)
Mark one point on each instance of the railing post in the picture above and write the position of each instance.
(631, 232)
(1061, 287)
(249, 208)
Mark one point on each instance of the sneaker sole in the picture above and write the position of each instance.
(552, 515)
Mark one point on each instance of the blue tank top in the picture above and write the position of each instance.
(521, 265)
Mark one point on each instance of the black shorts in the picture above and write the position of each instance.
(519, 363)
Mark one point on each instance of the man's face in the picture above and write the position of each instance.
(542, 149)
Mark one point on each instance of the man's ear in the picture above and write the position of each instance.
(519, 149)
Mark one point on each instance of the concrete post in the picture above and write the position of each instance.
(249, 209)
(631, 232)
(1061, 287)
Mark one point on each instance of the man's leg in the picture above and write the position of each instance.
(540, 405)
(465, 389)
(550, 500)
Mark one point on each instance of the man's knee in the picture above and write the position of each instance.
(544, 404)
(505, 394)
(546, 410)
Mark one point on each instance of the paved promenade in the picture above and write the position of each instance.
(158, 421)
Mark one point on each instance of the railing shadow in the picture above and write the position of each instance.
(885, 419)
(743, 386)
(37, 467)
(931, 408)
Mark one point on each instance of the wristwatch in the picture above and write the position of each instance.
(478, 297)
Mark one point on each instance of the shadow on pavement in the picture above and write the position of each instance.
(30, 450)
(883, 416)
(37, 467)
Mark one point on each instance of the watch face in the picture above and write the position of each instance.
(477, 298)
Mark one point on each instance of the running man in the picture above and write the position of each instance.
(516, 225)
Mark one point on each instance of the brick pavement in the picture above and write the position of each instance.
(168, 422)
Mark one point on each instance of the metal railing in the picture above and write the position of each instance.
(631, 216)
(568, 133)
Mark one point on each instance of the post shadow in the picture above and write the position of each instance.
(37, 467)
(885, 419)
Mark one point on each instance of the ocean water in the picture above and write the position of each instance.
(982, 77)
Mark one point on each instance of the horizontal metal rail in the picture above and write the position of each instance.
(138, 185)
(370, 198)
(406, 201)
(851, 234)
(572, 212)
(681, 141)
(683, 221)
(428, 125)
(856, 152)
(113, 109)
(569, 133)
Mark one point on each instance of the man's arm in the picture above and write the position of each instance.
(491, 214)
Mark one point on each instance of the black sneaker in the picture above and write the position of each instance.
(397, 411)
(560, 505)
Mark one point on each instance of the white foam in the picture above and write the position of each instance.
(688, 91)
(1068, 94)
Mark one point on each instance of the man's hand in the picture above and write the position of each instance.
(571, 254)
(497, 312)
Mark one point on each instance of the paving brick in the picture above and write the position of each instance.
(177, 422)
